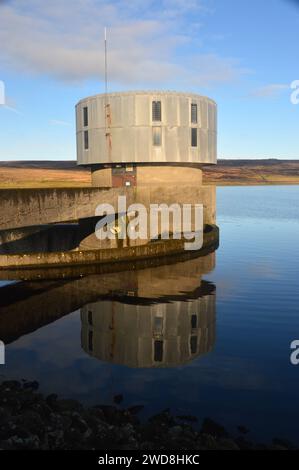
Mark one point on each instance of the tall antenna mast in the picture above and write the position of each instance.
(107, 106)
(106, 79)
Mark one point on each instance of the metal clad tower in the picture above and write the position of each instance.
(144, 135)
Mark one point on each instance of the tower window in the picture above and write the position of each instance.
(85, 116)
(90, 340)
(156, 110)
(158, 324)
(193, 344)
(193, 137)
(158, 351)
(157, 136)
(193, 321)
(86, 140)
(194, 113)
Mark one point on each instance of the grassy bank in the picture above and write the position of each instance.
(18, 175)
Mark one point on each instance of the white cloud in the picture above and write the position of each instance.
(210, 68)
(11, 108)
(57, 122)
(64, 40)
(269, 91)
(10, 104)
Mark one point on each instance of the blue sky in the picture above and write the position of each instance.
(244, 54)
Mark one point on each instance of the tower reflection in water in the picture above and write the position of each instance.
(163, 317)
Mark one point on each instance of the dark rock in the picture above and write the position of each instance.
(11, 385)
(34, 385)
(110, 413)
(208, 442)
(214, 429)
(73, 439)
(42, 409)
(97, 412)
(188, 418)
(242, 429)
(79, 423)
(28, 420)
(146, 446)
(175, 431)
(4, 416)
(67, 405)
(227, 444)
(283, 443)
(51, 400)
(244, 444)
(134, 410)
(163, 419)
(278, 447)
(32, 422)
(25, 443)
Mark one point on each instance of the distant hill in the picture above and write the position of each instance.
(47, 164)
(66, 173)
(72, 164)
(256, 162)
(267, 171)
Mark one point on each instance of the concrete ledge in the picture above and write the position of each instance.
(205, 259)
(115, 255)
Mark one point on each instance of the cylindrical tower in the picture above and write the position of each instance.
(154, 142)
(146, 137)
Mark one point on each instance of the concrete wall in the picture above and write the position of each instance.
(28, 207)
(77, 270)
(31, 207)
(108, 256)
(156, 194)
(130, 128)
(47, 238)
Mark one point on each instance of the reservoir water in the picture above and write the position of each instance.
(208, 336)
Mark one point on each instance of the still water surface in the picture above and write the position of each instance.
(207, 337)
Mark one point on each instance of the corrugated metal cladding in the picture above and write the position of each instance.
(130, 130)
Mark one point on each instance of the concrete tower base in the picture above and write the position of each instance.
(145, 175)
(152, 184)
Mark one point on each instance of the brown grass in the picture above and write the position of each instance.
(256, 172)
(226, 172)
(43, 178)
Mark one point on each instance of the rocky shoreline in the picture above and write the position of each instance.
(30, 420)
